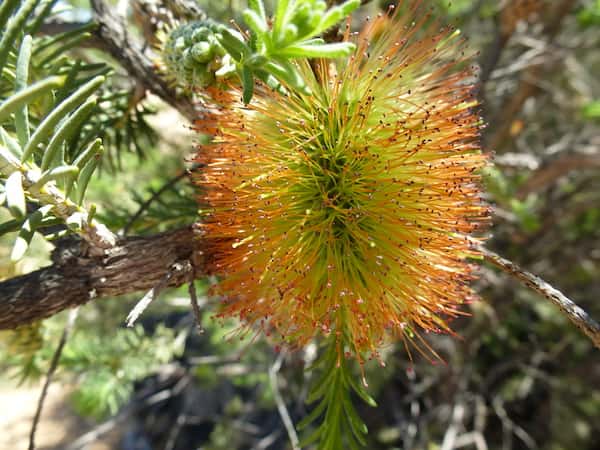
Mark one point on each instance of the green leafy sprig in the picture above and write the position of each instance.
(198, 53)
(339, 425)
(55, 113)
(293, 33)
(43, 184)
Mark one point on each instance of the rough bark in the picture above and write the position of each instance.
(134, 264)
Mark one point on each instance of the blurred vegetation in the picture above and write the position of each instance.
(517, 376)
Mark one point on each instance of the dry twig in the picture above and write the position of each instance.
(178, 267)
(53, 366)
(281, 408)
(574, 313)
(119, 43)
(194, 302)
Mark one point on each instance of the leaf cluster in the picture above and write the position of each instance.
(57, 115)
(198, 52)
(293, 33)
(338, 422)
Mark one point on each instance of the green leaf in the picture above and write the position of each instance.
(309, 439)
(21, 81)
(312, 416)
(234, 43)
(13, 28)
(254, 21)
(321, 388)
(55, 174)
(259, 8)
(340, 425)
(525, 211)
(334, 50)
(314, 41)
(49, 41)
(28, 95)
(44, 11)
(10, 143)
(247, 84)
(21, 243)
(11, 226)
(289, 35)
(280, 19)
(349, 7)
(287, 72)
(15, 195)
(66, 106)
(361, 391)
(591, 111)
(60, 50)
(85, 175)
(336, 14)
(6, 9)
(93, 149)
(270, 80)
(590, 15)
(356, 424)
(65, 131)
(256, 61)
(27, 231)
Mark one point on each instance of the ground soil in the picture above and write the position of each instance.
(59, 424)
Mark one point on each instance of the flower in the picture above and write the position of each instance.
(349, 210)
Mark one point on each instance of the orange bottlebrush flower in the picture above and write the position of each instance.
(348, 210)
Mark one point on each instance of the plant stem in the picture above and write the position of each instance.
(569, 308)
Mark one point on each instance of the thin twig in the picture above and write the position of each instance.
(268, 440)
(195, 305)
(144, 206)
(151, 295)
(456, 423)
(112, 32)
(281, 408)
(175, 430)
(53, 366)
(510, 427)
(472, 438)
(574, 313)
(194, 298)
